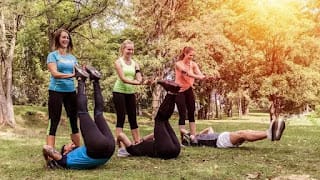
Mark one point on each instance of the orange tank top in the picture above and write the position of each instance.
(184, 81)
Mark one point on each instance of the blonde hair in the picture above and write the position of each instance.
(123, 45)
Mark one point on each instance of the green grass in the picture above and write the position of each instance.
(296, 155)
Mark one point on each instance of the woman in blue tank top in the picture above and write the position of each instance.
(61, 87)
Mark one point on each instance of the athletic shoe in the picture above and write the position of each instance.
(280, 128)
(169, 86)
(94, 73)
(52, 164)
(122, 152)
(271, 133)
(186, 140)
(80, 72)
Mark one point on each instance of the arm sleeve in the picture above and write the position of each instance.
(51, 58)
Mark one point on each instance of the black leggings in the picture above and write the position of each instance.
(186, 103)
(125, 103)
(69, 100)
(96, 134)
(165, 144)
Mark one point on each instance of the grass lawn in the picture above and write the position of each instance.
(296, 156)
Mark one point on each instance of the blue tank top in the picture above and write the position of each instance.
(79, 159)
(65, 64)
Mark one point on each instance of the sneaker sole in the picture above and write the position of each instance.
(120, 155)
(81, 71)
(93, 71)
(280, 128)
(274, 130)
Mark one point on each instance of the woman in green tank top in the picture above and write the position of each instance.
(124, 98)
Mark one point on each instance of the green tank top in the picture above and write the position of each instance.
(129, 72)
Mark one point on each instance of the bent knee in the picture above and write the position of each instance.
(170, 153)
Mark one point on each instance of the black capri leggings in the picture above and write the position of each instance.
(96, 134)
(186, 104)
(56, 99)
(125, 103)
(165, 144)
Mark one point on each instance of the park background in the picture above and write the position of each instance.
(263, 55)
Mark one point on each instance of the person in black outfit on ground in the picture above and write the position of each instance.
(163, 142)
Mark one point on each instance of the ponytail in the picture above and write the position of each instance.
(184, 51)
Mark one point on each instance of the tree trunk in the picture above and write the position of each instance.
(275, 108)
(50, 31)
(245, 106)
(228, 107)
(216, 105)
(239, 106)
(7, 45)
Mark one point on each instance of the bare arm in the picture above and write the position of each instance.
(51, 152)
(124, 139)
(208, 130)
(123, 78)
(52, 67)
(148, 137)
(138, 73)
(184, 131)
(195, 73)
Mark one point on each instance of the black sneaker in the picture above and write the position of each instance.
(280, 128)
(94, 73)
(80, 72)
(169, 86)
(52, 164)
(186, 140)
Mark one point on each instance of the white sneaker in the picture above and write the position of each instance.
(280, 128)
(271, 132)
(122, 152)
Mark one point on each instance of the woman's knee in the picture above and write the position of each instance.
(103, 150)
(170, 152)
(110, 148)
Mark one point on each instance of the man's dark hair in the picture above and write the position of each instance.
(62, 149)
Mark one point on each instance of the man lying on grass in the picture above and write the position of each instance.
(208, 137)
(98, 140)
(163, 142)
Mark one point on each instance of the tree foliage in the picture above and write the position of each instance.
(260, 52)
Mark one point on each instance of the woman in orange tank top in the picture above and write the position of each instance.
(186, 72)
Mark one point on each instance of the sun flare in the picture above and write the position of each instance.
(279, 9)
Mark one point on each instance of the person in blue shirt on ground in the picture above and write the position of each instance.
(99, 143)
(61, 87)
(208, 137)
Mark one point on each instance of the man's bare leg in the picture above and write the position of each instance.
(239, 137)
